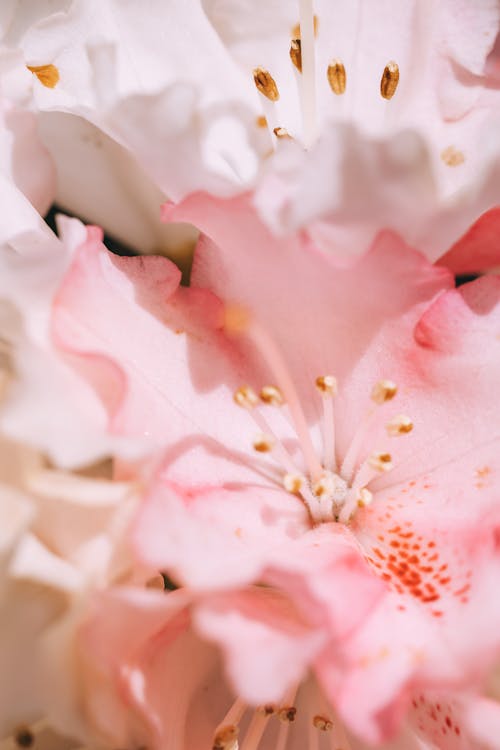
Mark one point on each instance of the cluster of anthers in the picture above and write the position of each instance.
(302, 56)
(263, 719)
(331, 490)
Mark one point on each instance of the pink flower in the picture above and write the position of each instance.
(418, 153)
(366, 498)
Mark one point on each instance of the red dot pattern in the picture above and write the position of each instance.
(437, 721)
(426, 564)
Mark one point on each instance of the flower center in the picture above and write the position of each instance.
(331, 490)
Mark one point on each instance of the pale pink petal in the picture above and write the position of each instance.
(482, 718)
(142, 667)
(267, 643)
(212, 536)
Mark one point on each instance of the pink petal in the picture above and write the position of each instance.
(477, 249)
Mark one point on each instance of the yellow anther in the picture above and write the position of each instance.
(287, 713)
(236, 319)
(322, 723)
(48, 75)
(293, 483)
(245, 397)
(381, 461)
(365, 497)
(327, 384)
(383, 391)
(263, 444)
(266, 84)
(400, 425)
(452, 157)
(281, 133)
(296, 54)
(226, 738)
(389, 81)
(261, 121)
(271, 394)
(336, 76)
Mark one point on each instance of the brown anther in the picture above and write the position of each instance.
(383, 391)
(293, 483)
(364, 497)
(287, 713)
(263, 444)
(452, 157)
(267, 710)
(400, 425)
(327, 384)
(261, 121)
(245, 397)
(271, 394)
(48, 75)
(336, 76)
(296, 28)
(389, 81)
(381, 461)
(281, 133)
(24, 737)
(266, 84)
(226, 738)
(322, 723)
(156, 582)
(296, 54)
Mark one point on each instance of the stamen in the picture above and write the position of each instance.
(389, 81)
(327, 386)
(381, 462)
(296, 54)
(283, 736)
(226, 734)
(48, 75)
(281, 133)
(322, 723)
(245, 397)
(296, 28)
(261, 121)
(293, 483)
(287, 714)
(273, 357)
(365, 497)
(452, 157)
(383, 391)
(263, 443)
(271, 394)
(226, 738)
(400, 425)
(266, 84)
(337, 77)
(308, 78)
(255, 731)
(268, 709)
